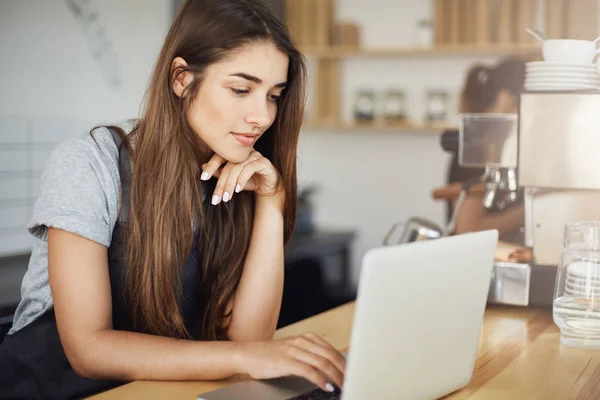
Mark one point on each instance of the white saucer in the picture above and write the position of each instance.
(573, 68)
(578, 282)
(542, 82)
(563, 74)
(563, 85)
(552, 64)
(561, 78)
(561, 71)
(546, 88)
(582, 288)
(584, 270)
(581, 280)
(591, 295)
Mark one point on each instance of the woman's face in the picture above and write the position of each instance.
(238, 99)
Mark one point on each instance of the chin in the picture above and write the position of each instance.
(236, 156)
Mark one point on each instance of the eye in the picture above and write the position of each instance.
(274, 98)
(240, 92)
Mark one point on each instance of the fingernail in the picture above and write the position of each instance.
(215, 199)
(329, 387)
(204, 176)
(225, 196)
(238, 188)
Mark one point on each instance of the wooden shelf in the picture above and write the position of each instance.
(377, 127)
(450, 50)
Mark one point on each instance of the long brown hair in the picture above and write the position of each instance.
(483, 84)
(166, 190)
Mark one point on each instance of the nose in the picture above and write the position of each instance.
(260, 114)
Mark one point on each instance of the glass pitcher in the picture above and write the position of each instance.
(576, 306)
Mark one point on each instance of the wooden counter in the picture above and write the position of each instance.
(520, 357)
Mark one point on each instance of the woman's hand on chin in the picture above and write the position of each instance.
(255, 174)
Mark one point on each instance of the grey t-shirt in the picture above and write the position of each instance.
(79, 194)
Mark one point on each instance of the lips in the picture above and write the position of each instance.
(246, 139)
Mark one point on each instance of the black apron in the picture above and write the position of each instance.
(33, 364)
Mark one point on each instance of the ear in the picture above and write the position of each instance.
(180, 79)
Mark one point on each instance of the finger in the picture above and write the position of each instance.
(326, 351)
(255, 167)
(231, 185)
(320, 363)
(217, 173)
(246, 173)
(209, 169)
(254, 157)
(231, 182)
(219, 192)
(339, 359)
(311, 374)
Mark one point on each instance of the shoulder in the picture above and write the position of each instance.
(80, 187)
(96, 150)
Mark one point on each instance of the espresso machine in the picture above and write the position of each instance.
(559, 167)
(550, 152)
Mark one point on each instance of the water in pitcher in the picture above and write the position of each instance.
(576, 307)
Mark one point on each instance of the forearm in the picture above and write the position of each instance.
(258, 297)
(128, 356)
(473, 217)
(505, 221)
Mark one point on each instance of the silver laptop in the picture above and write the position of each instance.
(416, 326)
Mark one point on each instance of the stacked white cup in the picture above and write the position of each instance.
(568, 65)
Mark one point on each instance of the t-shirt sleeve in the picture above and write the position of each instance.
(72, 195)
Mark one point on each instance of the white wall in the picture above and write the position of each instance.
(52, 88)
(369, 180)
(46, 67)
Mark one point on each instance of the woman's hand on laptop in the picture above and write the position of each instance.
(306, 355)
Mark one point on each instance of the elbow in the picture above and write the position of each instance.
(84, 372)
(83, 358)
(82, 366)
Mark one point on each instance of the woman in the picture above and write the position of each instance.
(160, 251)
(490, 90)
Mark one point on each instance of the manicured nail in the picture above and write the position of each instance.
(215, 199)
(225, 197)
(329, 387)
(238, 188)
(204, 176)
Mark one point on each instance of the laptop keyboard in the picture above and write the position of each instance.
(319, 394)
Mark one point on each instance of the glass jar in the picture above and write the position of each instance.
(437, 106)
(394, 106)
(364, 106)
(576, 306)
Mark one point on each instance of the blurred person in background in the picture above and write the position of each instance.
(496, 90)
(159, 251)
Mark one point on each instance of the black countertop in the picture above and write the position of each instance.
(12, 270)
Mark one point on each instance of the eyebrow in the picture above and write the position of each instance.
(256, 80)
